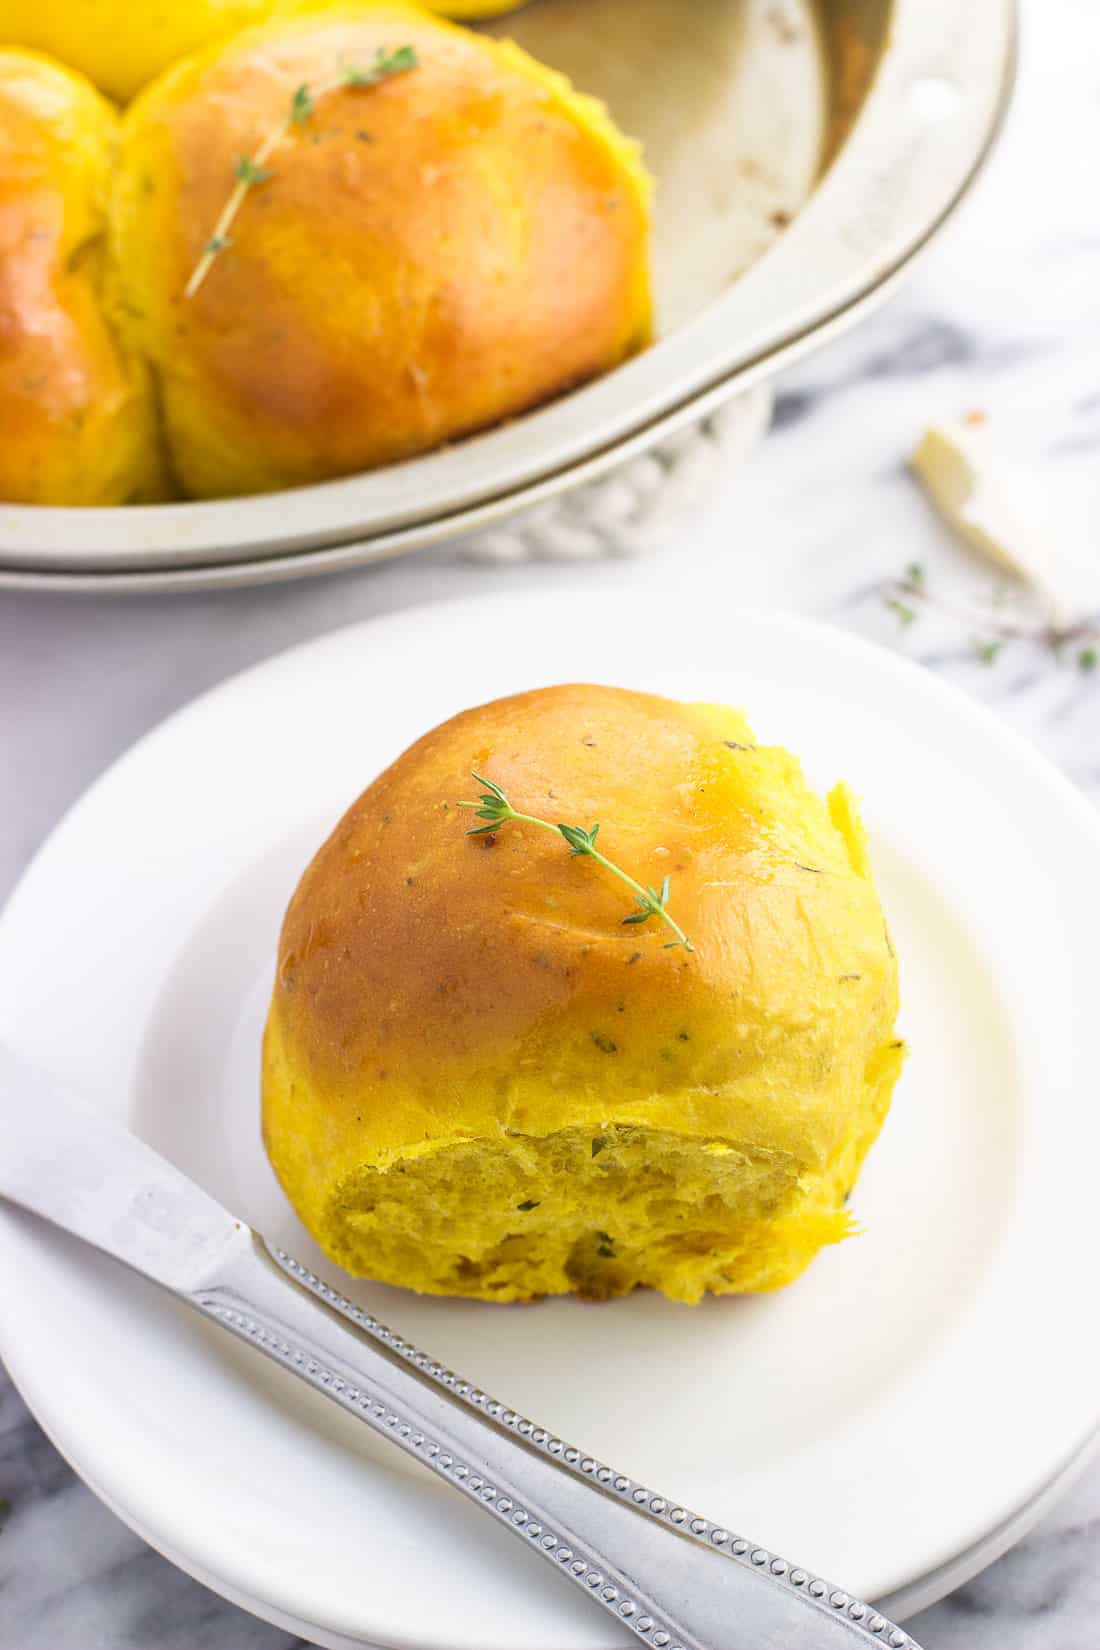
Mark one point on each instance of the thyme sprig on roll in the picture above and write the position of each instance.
(251, 170)
(495, 807)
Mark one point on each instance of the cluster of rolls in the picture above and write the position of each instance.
(418, 255)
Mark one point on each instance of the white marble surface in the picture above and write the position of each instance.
(1002, 315)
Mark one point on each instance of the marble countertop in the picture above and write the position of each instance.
(1002, 316)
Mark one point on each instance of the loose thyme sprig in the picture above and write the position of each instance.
(991, 627)
(495, 807)
(250, 170)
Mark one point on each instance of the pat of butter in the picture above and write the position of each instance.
(982, 495)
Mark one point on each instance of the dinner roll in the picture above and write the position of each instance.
(480, 1078)
(122, 45)
(428, 255)
(77, 423)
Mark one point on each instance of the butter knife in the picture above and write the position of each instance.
(676, 1580)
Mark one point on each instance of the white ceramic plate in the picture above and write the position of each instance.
(916, 1390)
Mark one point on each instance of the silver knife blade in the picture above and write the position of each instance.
(670, 1577)
(67, 1162)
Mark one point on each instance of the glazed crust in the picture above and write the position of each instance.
(434, 986)
(431, 255)
(77, 422)
(121, 46)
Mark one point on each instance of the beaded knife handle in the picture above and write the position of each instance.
(675, 1579)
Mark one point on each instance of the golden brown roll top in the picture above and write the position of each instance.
(428, 256)
(77, 422)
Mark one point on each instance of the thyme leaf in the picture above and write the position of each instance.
(302, 105)
(246, 171)
(385, 63)
(903, 612)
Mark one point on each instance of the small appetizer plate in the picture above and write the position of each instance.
(804, 153)
(886, 1420)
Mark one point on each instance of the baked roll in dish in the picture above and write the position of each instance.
(418, 259)
(77, 420)
(122, 45)
(480, 1079)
